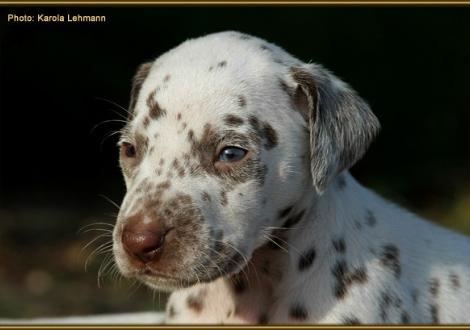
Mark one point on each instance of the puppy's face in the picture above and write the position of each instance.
(211, 155)
(225, 135)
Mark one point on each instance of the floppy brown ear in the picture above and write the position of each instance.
(139, 77)
(341, 124)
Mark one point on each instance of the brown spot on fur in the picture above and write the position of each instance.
(191, 135)
(388, 300)
(414, 296)
(434, 310)
(141, 145)
(339, 272)
(434, 286)
(232, 120)
(195, 303)
(254, 122)
(339, 245)
(351, 320)
(454, 280)
(384, 303)
(242, 101)
(231, 262)
(222, 64)
(359, 275)
(223, 198)
(405, 318)
(345, 278)
(178, 116)
(171, 311)
(270, 135)
(146, 122)
(167, 78)
(370, 218)
(298, 312)
(181, 172)
(390, 258)
(164, 185)
(293, 220)
(283, 85)
(261, 174)
(155, 111)
(306, 259)
(264, 131)
(205, 196)
(285, 212)
(138, 80)
(265, 47)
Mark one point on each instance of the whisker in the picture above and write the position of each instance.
(103, 230)
(79, 231)
(107, 137)
(291, 247)
(212, 261)
(139, 284)
(106, 122)
(94, 240)
(275, 243)
(116, 105)
(243, 265)
(100, 270)
(106, 198)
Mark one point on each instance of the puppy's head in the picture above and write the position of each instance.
(226, 134)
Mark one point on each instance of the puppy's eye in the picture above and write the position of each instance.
(231, 154)
(128, 149)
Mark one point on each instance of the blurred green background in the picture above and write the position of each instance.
(412, 64)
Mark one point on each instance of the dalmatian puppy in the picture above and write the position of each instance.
(239, 200)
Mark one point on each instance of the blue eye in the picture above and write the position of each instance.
(231, 154)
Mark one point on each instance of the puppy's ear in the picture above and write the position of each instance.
(341, 124)
(139, 77)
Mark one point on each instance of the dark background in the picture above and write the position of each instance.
(411, 64)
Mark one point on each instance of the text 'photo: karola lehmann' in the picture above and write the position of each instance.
(58, 18)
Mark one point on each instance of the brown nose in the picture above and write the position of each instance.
(143, 240)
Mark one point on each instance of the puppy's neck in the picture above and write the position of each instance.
(307, 239)
(328, 218)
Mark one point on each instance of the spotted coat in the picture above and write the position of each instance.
(285, 234)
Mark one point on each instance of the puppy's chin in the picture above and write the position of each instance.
(170, 282)
(166, 284)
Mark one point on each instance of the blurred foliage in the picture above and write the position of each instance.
(411, 64)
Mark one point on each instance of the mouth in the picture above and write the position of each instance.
(167, 282)
(160, 280)
(164, 281)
